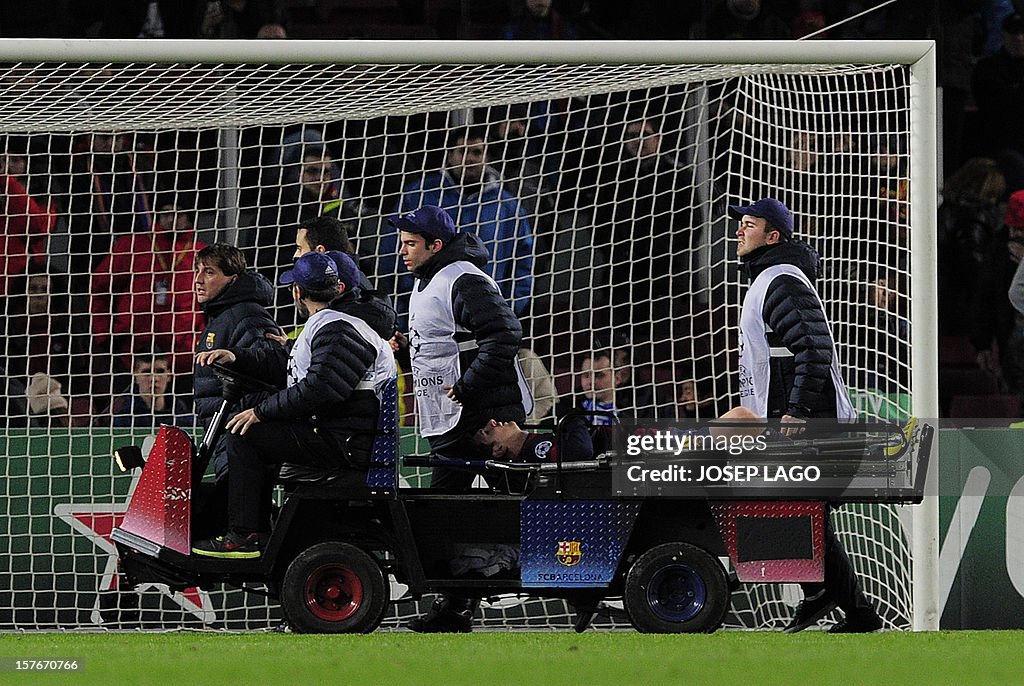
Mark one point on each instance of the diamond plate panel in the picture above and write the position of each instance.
(385, 447)
(161, 510)
(573, 544)
(789, 570)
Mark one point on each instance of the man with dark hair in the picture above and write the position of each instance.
(235, 302)
(321, 234)
(329, 235)
(463, 341)
(335, 377)
(509, 441)
(789, 371)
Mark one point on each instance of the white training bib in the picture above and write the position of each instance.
(435, 342)
(756, 354)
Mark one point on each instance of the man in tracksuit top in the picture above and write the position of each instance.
(463, 344)
(335, 376)
(789, 370)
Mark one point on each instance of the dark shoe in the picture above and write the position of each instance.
(232, 545)
(858, 625)
(809, 611)
(448, 615)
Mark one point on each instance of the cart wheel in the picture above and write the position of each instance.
(333, 588)
(676, 588)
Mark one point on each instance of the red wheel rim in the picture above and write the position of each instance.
(333, 592)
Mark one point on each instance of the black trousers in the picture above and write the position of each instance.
(841, 581)
(268, 444)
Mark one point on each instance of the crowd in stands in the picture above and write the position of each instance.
(102, 330)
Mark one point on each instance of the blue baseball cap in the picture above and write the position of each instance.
(348, 270)
(429, 220)
(314, 271)
(770, 209)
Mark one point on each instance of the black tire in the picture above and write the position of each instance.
(334, 588)
(676, 588)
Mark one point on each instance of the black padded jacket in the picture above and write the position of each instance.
(489, 387)
(327, 397)
(800, 385)
(236, 318)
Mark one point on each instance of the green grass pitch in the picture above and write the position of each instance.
(481, 659)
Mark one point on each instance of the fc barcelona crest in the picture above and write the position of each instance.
(209, 340)
(569, 553)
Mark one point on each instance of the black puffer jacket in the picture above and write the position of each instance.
(326, 397)
(237, 318)
(489, 386)
(800, 385)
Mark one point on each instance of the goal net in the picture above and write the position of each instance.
(597, 175)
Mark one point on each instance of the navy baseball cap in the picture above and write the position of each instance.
(314, 271)
(429, 220)
(770, 209)
(348, 270)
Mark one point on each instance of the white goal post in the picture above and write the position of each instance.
(602, 197)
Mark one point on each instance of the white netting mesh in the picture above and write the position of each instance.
(603, 198)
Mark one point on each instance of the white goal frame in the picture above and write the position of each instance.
(919, 55)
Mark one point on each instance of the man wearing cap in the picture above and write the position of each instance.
(463, 341)
(336, 378)
(463, 338)
(789, 370)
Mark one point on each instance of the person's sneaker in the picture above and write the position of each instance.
(447, 616)
(809, 611)
(858, 625)
(232, 545)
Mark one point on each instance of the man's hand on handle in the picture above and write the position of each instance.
(210, 356)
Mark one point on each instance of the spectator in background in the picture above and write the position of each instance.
(993, 15)
(810, 21)
(237, 18)
(110, 193)
(749, 20)
(695, 401)
(969, 219)
(310, 185)
(150, 402)
(880, 363)
(996, 330)
(998, 85)
(47, 363)
(272, 32)
(605, 383)
(471, 192)
(538, 20)
(26, 222)
(645, 219)
(142, 292)
(887, 205)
